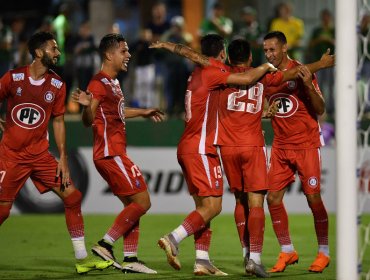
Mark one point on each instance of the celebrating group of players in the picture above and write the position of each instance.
(224, 107)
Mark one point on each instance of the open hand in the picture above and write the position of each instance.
(82, 97)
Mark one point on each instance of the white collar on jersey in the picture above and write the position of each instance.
(36, 82)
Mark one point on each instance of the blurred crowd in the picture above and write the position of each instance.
(158, 78)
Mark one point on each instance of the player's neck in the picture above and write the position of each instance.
(37, 70)
(109, 71)
(284, 63)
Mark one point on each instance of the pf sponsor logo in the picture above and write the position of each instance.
(288, 104)
(28, 115)
(312, 182)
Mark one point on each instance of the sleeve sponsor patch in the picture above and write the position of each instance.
(18, 77)
(105, 81)
(56, 83)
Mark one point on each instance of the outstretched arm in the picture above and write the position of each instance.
(251, 76)
(327, 60)
(154, 114)
(182, 50)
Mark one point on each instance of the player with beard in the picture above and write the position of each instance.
(104, 109)
(35, 95)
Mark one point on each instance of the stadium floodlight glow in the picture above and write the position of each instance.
(345, 115)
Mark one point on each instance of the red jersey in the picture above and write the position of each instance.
(296, 124)
(240, 111)
(109, 124)
(30, 104)
(197, 136)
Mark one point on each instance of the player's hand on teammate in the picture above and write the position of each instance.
(154, 114)
(63, 171)
(327, 59)
(82, 97)
(2, 123)
(271, 110)
(270, 67)
(305, 75)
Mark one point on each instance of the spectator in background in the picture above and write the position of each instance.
(365, 32)
(322, 38)
(144, 77)
(84, 55)
(292, 27)
(217, 23)
(178, 67)
(159, 23)
(6, 38)
(249, 29)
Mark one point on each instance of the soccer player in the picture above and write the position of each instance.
(295, 148)
(239, 135)
(104, 109)
(35, 94)
(197, 155)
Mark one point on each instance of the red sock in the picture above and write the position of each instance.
(202, 238)
(74, 219)
(256, 227)
(279, 218)
(4, 212)
(126, 220)
(241, 216)
(193, 222)
(131, 240)
(320, 217)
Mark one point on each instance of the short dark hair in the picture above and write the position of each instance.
(239, 51)
(212, 44)
(108, 42)
(280, 36)
(38, 40)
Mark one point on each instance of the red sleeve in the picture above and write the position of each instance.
(215, 77)
(97, 89)
(5, 82)
(59, 107)
(273, 79)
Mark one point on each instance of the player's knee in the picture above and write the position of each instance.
(73, 200)
(4, 211)
(273, 198)
(313, 198)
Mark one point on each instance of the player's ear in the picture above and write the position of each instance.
(38, 52)
(285, 48)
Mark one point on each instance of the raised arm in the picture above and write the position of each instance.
(327, 60)
(182, 50)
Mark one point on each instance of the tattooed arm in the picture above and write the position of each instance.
(182, 50)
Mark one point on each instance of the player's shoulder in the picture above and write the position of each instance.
(18, 74)
(55, 80)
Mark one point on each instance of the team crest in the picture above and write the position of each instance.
(18, 77)
(28, 115)
(291, 84)
(121, 109)
(312, 182)
(49, 96)
(19, 91)
(56, 83)
(288, 104)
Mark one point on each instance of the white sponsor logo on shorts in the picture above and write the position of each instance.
(312, 182)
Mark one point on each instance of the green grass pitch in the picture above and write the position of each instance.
(38, 247)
